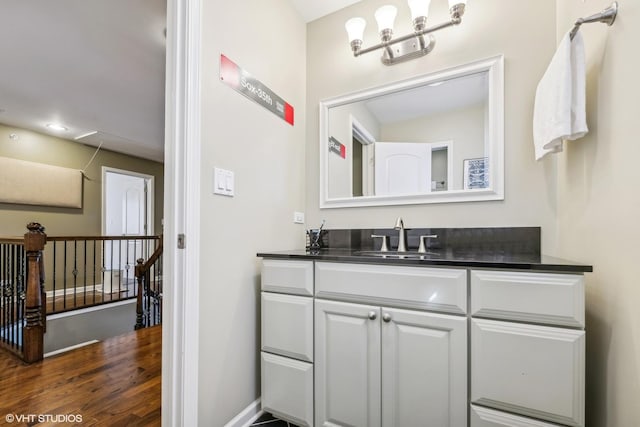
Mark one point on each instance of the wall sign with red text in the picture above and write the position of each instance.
(252, 88)
(337, 147)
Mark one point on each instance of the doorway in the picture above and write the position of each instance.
(127, 210)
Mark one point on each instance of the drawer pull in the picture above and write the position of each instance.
(373, 315)
(386, 317)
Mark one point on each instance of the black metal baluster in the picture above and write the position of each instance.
(22, 263)
(94, 272)
(3, 308)
(102, 267)
(119, 268)
(13, 326)
(3, 280)
(53, 304)
(75, 273)
(84, 274)
(64, 278)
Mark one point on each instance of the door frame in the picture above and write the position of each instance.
(150, 201)
(180, 329)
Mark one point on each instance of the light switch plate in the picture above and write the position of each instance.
(298, 217)
(223, 182)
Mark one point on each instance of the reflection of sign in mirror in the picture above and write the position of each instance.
(337, 147)
(476, 173)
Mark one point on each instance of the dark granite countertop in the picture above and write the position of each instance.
(441, 257)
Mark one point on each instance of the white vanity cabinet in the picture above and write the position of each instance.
(287, 340)
(393, 345)
(527, 347)
(377, 365)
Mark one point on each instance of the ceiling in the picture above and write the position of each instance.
(427, 100)
(95, 67)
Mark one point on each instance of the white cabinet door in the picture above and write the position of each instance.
(531, 370)
(424, 369)
(347, 364)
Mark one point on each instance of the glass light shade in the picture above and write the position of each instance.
(455, 2)
(355, 28)
(385, 17)
(419, 8)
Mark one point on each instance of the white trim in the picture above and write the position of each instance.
(71, 291)
(247, 416)
(71, 313)
(151, 207)
(180, 330)
(495, 68)
(71, 347)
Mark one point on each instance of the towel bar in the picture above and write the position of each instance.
(607, 16)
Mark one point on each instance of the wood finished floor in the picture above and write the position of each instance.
(111, 383)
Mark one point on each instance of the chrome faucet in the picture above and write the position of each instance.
(402, 236)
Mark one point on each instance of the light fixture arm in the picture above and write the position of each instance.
(451, 23)
(410, 46)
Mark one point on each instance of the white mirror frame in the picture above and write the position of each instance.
(495, 135)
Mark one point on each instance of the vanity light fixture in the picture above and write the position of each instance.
(409, 46)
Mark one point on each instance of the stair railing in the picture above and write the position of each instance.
(149, 298)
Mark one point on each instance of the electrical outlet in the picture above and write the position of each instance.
(298, 217)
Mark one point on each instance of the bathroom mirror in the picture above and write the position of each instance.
(434, 138)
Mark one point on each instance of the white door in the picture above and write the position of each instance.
(126, 212)
(424, 369)
(347, 364)
(402, 168)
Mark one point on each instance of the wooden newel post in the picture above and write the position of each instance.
(33, 346)
(139, 307)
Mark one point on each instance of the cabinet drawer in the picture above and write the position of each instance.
(287, 325)
(288, 277)
(485, 417)
(556, 299)
(435, 289)
(287, 389)
(537, 371)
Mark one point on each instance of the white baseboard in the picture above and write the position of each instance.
(72, 347)
(247, 416)
(71, 291)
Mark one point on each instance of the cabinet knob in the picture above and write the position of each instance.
(386, 317)
(373, 315)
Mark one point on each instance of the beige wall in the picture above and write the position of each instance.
(523, 31)
(599, 210)
(40, 148)
(267, 38)
(464, 128)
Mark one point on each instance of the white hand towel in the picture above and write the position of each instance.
(559, 112)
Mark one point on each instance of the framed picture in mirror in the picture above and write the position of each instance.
(476, 173)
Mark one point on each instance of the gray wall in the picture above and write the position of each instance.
(96, 323)
(267, 38)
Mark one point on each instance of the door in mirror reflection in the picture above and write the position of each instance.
(402, 168)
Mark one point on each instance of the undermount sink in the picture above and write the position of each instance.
(398, 255)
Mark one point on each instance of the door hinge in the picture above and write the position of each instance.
(180, 241)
